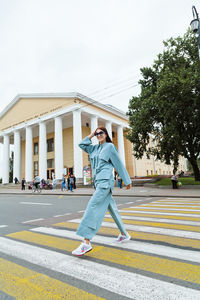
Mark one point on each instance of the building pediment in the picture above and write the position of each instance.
(26, 107)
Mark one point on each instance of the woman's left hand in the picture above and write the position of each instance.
(128, 187)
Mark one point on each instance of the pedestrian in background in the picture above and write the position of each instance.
(174, 180)
(23, 184)
(104, 157)
(71, 183)
(119, 181)
(69, 174)
(16, 180)
(63, 183)
(74, 181)
(54, 182)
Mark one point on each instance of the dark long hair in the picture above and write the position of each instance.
(108, 139)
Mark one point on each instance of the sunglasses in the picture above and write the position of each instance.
(100, 133)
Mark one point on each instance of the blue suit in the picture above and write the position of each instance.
(103, 159)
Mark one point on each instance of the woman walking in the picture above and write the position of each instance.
(104, 157)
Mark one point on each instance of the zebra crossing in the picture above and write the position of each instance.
(161, 261)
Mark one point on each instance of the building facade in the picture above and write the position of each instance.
(46, 129)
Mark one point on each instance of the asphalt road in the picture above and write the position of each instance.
(16, 209)
(160, 262)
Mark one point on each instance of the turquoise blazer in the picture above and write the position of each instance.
(103, 159)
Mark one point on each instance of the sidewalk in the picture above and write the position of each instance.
(133, 192)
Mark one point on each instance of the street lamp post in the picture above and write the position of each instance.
(195, 25)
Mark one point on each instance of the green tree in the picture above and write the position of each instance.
(168, 106)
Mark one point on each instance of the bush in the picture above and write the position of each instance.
(183, 180)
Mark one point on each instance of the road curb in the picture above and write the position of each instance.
(90, 194)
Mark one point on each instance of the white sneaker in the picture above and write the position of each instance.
(82, 249)
(123, 238)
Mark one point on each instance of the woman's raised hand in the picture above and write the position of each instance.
(91, 135)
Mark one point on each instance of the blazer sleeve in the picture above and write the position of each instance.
(119, 166)
(86, 145)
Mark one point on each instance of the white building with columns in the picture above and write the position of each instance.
(45, 130)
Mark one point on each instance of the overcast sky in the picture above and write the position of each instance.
(95, 47)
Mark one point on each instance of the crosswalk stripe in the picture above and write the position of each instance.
(161, 216)
(160, 220)
(172, 207)
(167, 251)
(196, 212)
(184, 242)
(134, 286)
(28, 284)
(175, 203)
(173, 232)
(158, 213)
(188, 200)
(159, 224)
(161, 266)
(176, 206)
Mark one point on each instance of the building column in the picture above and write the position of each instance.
(6, 155)
(120, 141)
(77, 137)
(42, 151)
(17, 156)
(29, 155)
(93, 126)
(109, 128)
(58, 147)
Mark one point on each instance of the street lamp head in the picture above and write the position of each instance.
(195, 22)
(194, 25)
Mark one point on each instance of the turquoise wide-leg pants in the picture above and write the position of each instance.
(100, 202)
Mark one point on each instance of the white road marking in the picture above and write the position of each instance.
(188, 255)
(157, 208)
(129, 203)
(67, 214)
(58, 216)
(174, 204)
(3, 226)
(160, 230)
(40, 219)
(183, 222)
(36, 203)
(80, 211)
(128, 284)
(158, 213)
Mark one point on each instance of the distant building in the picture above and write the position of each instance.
(46, 129)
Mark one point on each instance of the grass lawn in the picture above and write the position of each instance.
(183, 180)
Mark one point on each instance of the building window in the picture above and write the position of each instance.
(147, 172)
(35, 148)
(151, 172)
(50, 163)
(35, 168)
(50, 145)
(113, 134)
